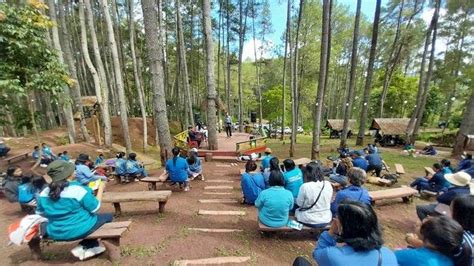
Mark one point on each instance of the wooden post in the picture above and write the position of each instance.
(113, 247)
(118, 210)
(161, 208)
(35, 248)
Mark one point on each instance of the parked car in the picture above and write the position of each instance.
(287, 130)
(300, 130)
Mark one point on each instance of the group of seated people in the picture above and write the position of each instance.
(181, 169)
(126, 167)
(47, 155)
(197, 134)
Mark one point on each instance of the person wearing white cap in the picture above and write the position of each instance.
(3, 148)
(460, 186)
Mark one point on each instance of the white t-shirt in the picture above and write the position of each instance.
(321, 211)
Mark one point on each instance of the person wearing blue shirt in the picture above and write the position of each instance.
(100, 159)
(293, 177)
(462, 211)
(195, 165)
(36, 154)
(441, 245)
(47, 152)
(64, 156)
(252, 183)
(435, 183)
(355, 191)
(177, 169)
(274, 166)
(354, 238)
(359, 161)
(274, 203)
(460, 186)
(134, 169)
(266, 160)
(374, 162)
(120, 164)
(84, 175)
(447, 169)
(465, 163)
(71, 210)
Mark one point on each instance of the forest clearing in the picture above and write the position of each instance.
(224, 132)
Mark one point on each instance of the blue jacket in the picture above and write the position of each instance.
(133, 167)
(374, 159)
(421, 257)
(252, 184)
(196, 166)
(65, 158)
(328, 254)
(438, 181)
(84, 175)
(293, 181)
(274, 205)
(452, 193)
(266, 161)
(177, 172)
(98, 160)
(464, 164)
(72, 216)
(120, 166)
(351, 192)
(360, 162)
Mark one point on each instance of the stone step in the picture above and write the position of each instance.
(218, 187)
(211, 212)
(218, 201)
(218, 193)
(215, 230)
(219, 181)
(212, 261)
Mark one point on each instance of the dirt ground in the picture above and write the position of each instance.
(160, 239)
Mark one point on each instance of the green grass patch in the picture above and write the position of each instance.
(141, 251)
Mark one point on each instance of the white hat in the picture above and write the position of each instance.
(194, 150)
(459, 179)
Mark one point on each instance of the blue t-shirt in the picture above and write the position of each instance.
(120, 166)
(177, 172)
(328, 254)
(274, 205)
(65, 158)
(438, 181)
(447, 170)
(133, 167)
(26, 193)
(72, 215)
(360, 162)
(351, 192)
(266, 161)
(293, 181)
(374, 159)
(252, 184)
(98, 160)
(421, 257)
(84, 175)
(464, 164)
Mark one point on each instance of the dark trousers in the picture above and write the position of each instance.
(421, 183)
(228, 130)
(301, 261)
(102, 218)
(377, 168)
(424, 211)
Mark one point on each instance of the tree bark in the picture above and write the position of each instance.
(228, 87)
(65, 99)
(136, 76)
(211, 90)
(352, 79)
(285, 53)
(370, 72)
(102, 90)
(466, 128)
(242, 29)
(76, 87)
(315, 150)
(118, 75)
(155, 57)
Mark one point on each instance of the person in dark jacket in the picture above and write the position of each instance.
(11, 182)
(375, 162)
(3, 148)
(460, 186)
(434, 183)
(358, 160)
(465, 163)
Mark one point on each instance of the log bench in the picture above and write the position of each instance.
(109, 233)
(152, 180)
(14, 157)
(399, 169)
(116, 198)
(406, 193)
(266, 229)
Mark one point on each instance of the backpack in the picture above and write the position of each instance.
(393, 178)
(25, 193)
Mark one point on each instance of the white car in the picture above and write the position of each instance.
(300, 130)
(287, 130)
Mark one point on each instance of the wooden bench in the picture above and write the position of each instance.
(429, 171)
(11, 158)
(264, 228)
(109, 233)
(399, 169)
(406, 193)
(152, 180)
(116, 198)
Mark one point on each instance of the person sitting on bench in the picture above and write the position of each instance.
(462, 210)
(64, 156)
(11, 182)
(460, 186)
(358, 160)
(71, 210)
(314, 198)
(465, 163)
(44, 159)
(177, 169)
(274, 204)
(434, 183)
(100, 159)
(274, 166)
(252, 183)
(340, 177)
(3, 148)
(47, 152)
(355, 191)
(447, 169)
(375, 162)
(120, 164)
(29, 190)
(84, 175)
(194, 136)
(195, 165)
(354, 238)
(134, 169)
(440, 242)
(293, 177)
(266, 159)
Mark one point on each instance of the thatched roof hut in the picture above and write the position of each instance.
(390, 126)
(338, 124)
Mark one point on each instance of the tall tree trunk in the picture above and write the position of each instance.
(321, 80)
(228, 87)
(294, 85)
(136, 76)
(447, 113)
(287, 43)
(184, 67)
(75, 89)
(242, 29)
(370, 72)
(211, 90)
(257, 71)
(352, 79)
(118, 75)
(102, 90)
(466, 128)
(155, 59)
(419, 97)
(65, 104)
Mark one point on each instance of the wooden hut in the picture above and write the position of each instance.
(336, 126)
(390, 131)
